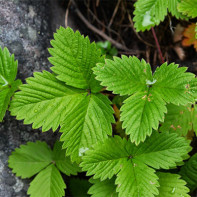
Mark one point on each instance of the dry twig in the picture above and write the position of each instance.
(114, 13)
(67, 12)
(100, 33)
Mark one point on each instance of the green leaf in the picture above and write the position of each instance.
(140, 113)
(149, 13)
(120, 157)
(79, 187)
(178, 119)
(172, 82)
(145, 107)
(5, 96)
(137, 179)
(73, 57)
(37, 157)
(171, 185)
(163, 150)
(85, 124)
(188, 7)
(43, 101)
(8, 85)
(62, 162)
(8, 67)
(30, 159)
(189, 172)
(103, 188)
(124, 76)
(48, 183)
(172, 8)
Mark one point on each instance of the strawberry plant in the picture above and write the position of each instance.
(144, 160)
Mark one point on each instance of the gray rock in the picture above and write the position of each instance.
(25, 29)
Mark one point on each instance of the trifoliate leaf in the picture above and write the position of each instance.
(79, 187)
(149, 13)
(178, 119)
(171, 185)
(86, 124)
(188, 7)
(30, 159)
(48, 183)
(73, 57)
(190, 36)
(8, 85)
(145, 107)
(131, 163)
(103, 188)
(43, 101)
(189, 172)
(62, 162)
(37, 157)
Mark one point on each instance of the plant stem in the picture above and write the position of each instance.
(157, 44)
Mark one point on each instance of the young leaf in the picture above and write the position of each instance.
(103, 188)
(189, 172)
(73, 57)
(190, 36)
(131, 163)
(188, 7)
(43, 101)
(85, 124)
(48, 183)
(145, 107)
(178, 119)
(171, 185)
(30, 159)
(8, 85)
(63, 163)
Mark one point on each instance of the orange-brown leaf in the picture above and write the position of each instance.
(189, 35)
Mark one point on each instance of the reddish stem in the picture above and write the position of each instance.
(157, 44)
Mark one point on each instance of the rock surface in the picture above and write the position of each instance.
(25, 29)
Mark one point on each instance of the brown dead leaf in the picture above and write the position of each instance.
(177, 37)
(178, 33)
(189, 35)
